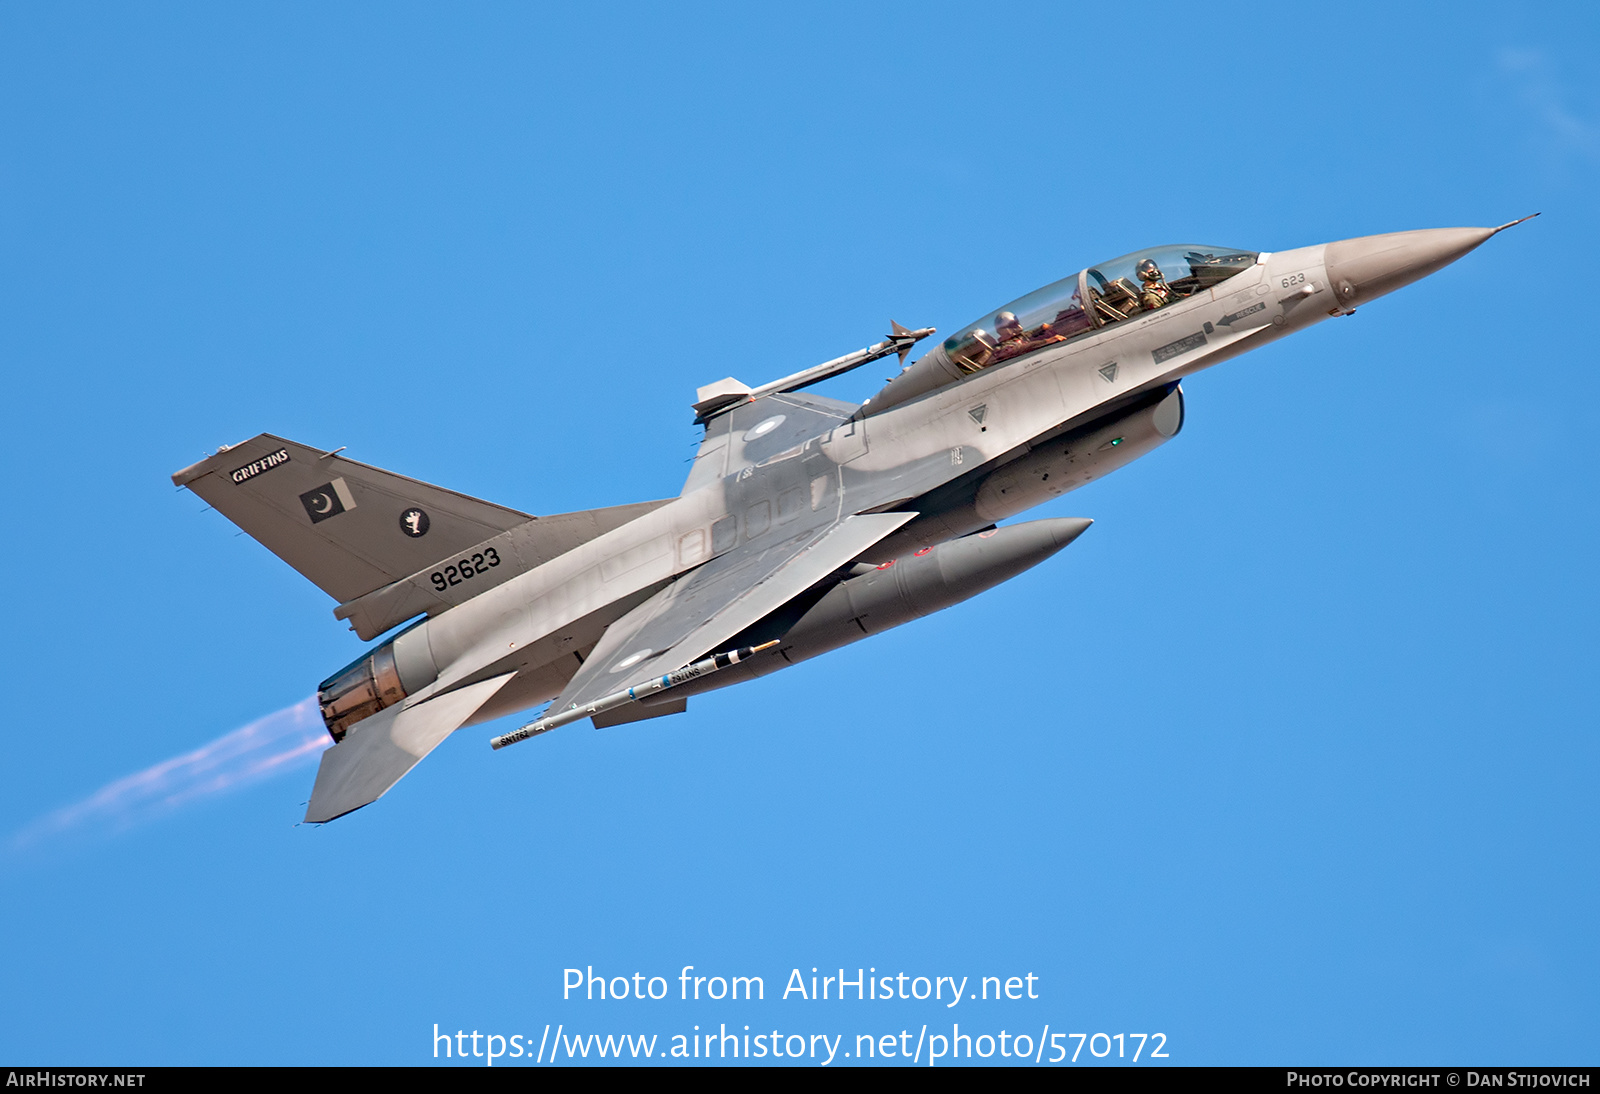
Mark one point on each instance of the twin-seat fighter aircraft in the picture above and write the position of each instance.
(806, 523)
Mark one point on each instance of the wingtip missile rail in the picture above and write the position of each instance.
(899, 340)
(724, 395)
(634, 694)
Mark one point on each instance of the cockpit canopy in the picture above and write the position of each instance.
(1094, 298)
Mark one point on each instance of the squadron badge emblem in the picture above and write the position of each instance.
(414, 523)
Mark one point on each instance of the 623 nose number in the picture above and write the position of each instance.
(465, 569)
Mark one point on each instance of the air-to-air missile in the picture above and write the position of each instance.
(806, 523)
(637, 694)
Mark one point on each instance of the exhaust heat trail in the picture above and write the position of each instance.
(288, 738)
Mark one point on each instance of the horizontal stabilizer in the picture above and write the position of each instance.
(378, 751)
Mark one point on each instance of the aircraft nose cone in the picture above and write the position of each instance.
(1366, 268)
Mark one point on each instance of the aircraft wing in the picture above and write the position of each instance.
(756, 431)
(701, 610)
(378, 751)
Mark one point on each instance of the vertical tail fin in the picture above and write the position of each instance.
(347, 527)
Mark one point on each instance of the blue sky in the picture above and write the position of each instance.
(1290, 758)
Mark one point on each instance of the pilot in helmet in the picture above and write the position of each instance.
(1155, 292)
(1007, 328)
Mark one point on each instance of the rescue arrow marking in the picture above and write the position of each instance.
(1229, 320)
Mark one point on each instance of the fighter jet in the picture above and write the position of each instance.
(806, 523)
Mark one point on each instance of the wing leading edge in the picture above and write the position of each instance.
(695, 614)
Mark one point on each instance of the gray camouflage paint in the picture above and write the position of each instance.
(787, 493)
